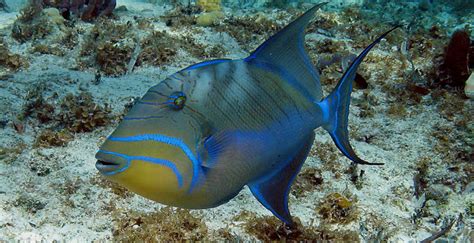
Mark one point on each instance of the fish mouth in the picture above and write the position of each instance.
(108, 164)
(106, 167)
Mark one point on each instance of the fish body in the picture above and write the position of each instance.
(198, 137)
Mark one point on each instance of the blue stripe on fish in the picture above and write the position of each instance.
(168, 140)
(163, 162)
(205, 63)
(141, 118)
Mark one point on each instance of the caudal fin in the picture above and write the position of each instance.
(336, 107)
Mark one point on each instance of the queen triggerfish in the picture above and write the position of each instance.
(198, 137)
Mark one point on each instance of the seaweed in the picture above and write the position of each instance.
(166, 224)
(71, 186)
(32, 24)
(356, 175)
(37, 106)
(41, 167)
(81, 114)
(30, 11)
(307, 180)
(269, 228)
(76, 113)
(396, 110)
(420, 181)
(8, 154)
(29, 203)
(108, 46)
(328, 154)
(113, 58)
(181, 16)
(158, 48)
(50, 138)
(9, 60)
(336, 208)
(116, 188)
(227, 235)
(47, 49)
(114, 49)
(249, 31)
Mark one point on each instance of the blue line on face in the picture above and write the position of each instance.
(163, 162)
(168, 140)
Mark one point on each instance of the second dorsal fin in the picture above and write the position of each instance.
(285, 51)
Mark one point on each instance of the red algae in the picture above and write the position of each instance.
(455, 68)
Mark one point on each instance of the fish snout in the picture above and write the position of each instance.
(109, 164)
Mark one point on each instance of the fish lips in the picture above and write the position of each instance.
(110, 164)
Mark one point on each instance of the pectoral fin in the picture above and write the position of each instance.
(272, 191)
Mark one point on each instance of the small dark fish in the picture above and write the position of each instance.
(198, 137)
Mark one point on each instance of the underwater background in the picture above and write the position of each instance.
(68, 76)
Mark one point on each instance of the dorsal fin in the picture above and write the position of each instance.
(285, 50)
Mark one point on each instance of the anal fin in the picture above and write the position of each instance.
(272, 191)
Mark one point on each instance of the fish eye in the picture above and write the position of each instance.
(177, 100)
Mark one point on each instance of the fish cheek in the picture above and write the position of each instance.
(153, 181)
